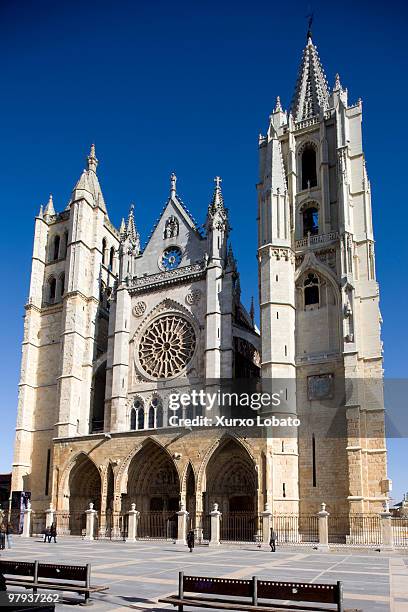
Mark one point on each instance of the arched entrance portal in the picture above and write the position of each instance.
(232, 483)
(153, 483)
(84, 488)
(154, 486)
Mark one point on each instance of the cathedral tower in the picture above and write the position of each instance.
(319, 299)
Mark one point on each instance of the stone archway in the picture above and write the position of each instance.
(232, 483)
(231, 479)
(153, 482)
(84, 486)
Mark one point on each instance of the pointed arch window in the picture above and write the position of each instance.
(56, 248)
(159, 415)
(139, 412)
(151, 417)
(133, 419)
(62, 284)
(104, 247)
(111, 258)
(311, 290)
(309, 170)
(310, 221)
(52, 289)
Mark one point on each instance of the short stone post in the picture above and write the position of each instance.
(323, 529)
(387, 539)
(182, 515)
(215, 526)
(49, 516)
(133, 516)
(266, 525)
(90, 522)
(27, 521)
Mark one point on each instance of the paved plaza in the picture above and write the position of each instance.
(139, 574)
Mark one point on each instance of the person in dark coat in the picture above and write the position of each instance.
(9, 534)
(46, 533)
(190, 540)
(272, 541)
(2, 537)
(53, 533)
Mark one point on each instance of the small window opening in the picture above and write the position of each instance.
(111, 256)
(53, 286)
(309, 174)
(310, 221)
(311, 288)
(133, 419)
(56, 247)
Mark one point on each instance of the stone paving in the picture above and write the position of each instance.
(138, 574)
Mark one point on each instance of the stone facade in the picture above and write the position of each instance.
(112, 330)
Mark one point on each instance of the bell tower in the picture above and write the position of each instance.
(319, 297)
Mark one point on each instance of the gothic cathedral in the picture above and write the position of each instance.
(113, 329)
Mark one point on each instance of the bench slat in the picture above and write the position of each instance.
(294, 591)
(17, 568)
(58, 586)
(246, 607)
(217, 586)
(64, 572)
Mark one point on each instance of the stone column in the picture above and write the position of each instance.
(266, 524)
(133, 515)
(387, 539)
(1, 516)
(215, 526)
(323, 529)
(90, 522)
(27, 521)
(49, 516)
(182, 515)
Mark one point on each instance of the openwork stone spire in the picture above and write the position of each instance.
(217, 202)
(131, 231)
(49, 210)
(312, 92)
(92, 161)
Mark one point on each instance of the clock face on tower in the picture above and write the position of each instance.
(171, 258)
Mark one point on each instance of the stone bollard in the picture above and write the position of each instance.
(90, 522)
(27, 521)
(49, 516)
(323, 529)
(266, 525)
(182, 515)
(215, 526)
(133, 516)
(387, 538)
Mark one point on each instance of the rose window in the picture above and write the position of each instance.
(167, 346)
(171, 258)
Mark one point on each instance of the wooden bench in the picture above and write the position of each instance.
(253, 590)
(50, 576)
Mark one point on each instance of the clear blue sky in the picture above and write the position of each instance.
(163, 86)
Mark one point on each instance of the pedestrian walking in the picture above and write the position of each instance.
(190, 540)
(2, 537)
(53, 533)
(46, 534)
(9, 535)
(272, 541)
